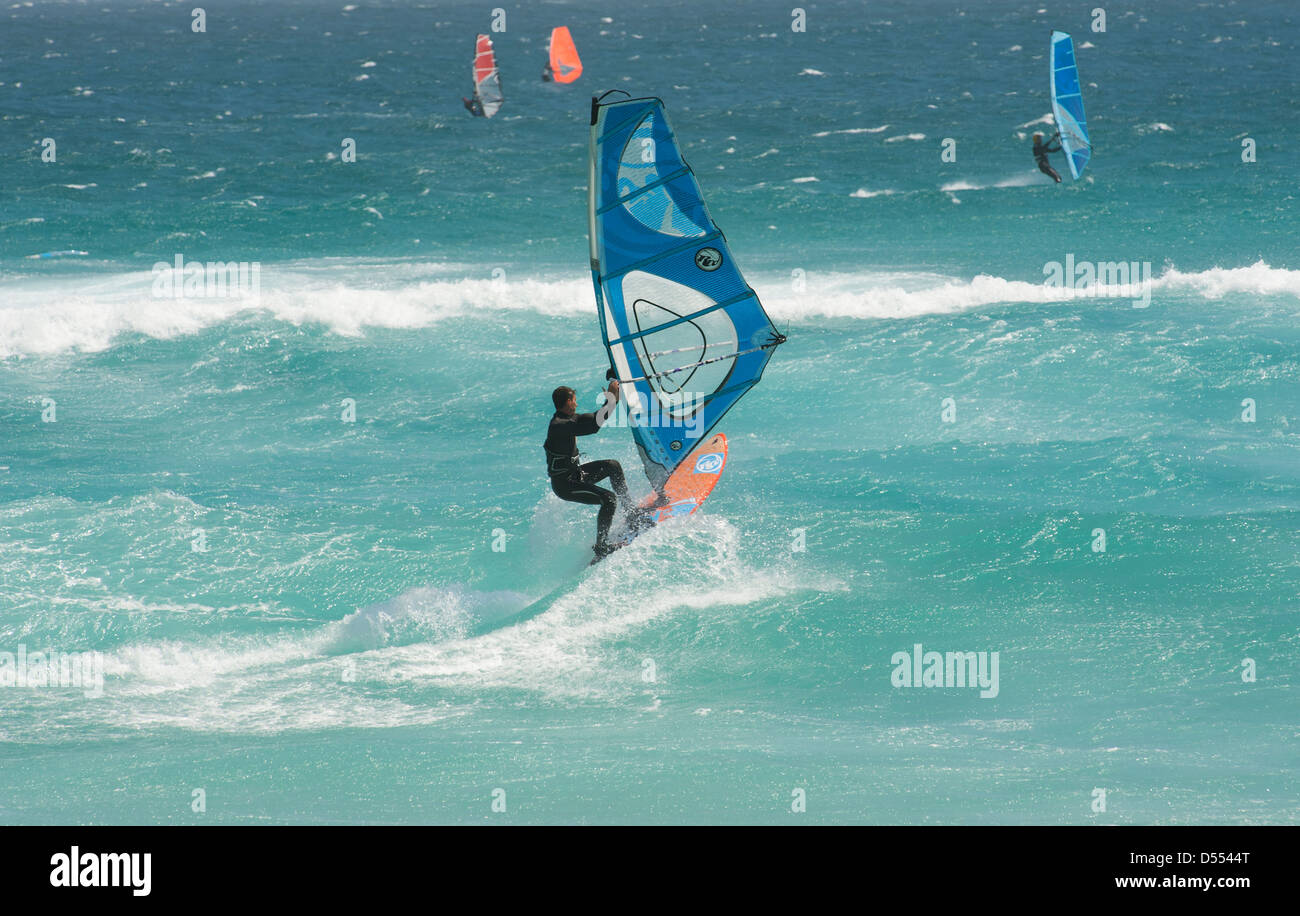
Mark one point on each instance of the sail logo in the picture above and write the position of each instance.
(184, 279)
(103, 869)
(946, 669)
(708, 259)
(708, 464)
(1101, 279)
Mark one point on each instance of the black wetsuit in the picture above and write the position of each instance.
(577, 482)
(1040, 156)
(473, 106)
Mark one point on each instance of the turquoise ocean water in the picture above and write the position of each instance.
(348, 646)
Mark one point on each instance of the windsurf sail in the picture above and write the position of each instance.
(1067, 104)
(565, 63)
(487, 79)
(685, 334)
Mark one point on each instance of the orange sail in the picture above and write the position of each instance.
(566, 66)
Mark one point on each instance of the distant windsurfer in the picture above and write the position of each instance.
(1041, 151)
(473, 106)
(548, 75)
(577, 482)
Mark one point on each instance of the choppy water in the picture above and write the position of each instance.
(349, 647)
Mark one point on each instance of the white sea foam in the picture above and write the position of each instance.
(362, 671)
(1258, 279)
(853, 130)
(43, 316)
(1045, 119)
(905, 295)
(1017, 181)
(564, 650)
(1014, 181)
(425, 613)
(863, 192)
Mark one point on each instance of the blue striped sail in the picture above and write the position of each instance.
(1067, 104)
(685, 334)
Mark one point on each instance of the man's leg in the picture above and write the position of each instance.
(596, 471)
(589, 494)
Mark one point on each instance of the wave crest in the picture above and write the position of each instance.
(49, 319)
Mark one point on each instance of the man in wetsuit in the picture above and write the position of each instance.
(548, 74)
(577, 482)
(1041, 150)
(473, 106)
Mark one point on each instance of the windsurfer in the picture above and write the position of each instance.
(577, 482)
(1041, 150)
(473, 106)
(547, 74)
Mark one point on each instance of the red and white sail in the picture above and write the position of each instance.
(487, 79)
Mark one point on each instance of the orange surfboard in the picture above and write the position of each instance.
(566, 66)
(688, 486)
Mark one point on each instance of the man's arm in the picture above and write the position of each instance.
(588, 423)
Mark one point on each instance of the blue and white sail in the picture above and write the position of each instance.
(686, 335)
(1067, 104)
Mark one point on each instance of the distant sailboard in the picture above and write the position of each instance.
(685, 334)
(66, 253)
(1067, 104)
(565, 64)
(487, 79)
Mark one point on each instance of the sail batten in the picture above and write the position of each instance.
(666, 283)
(703, 362)
(676, 321)
(694, 243)
(650, 187)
